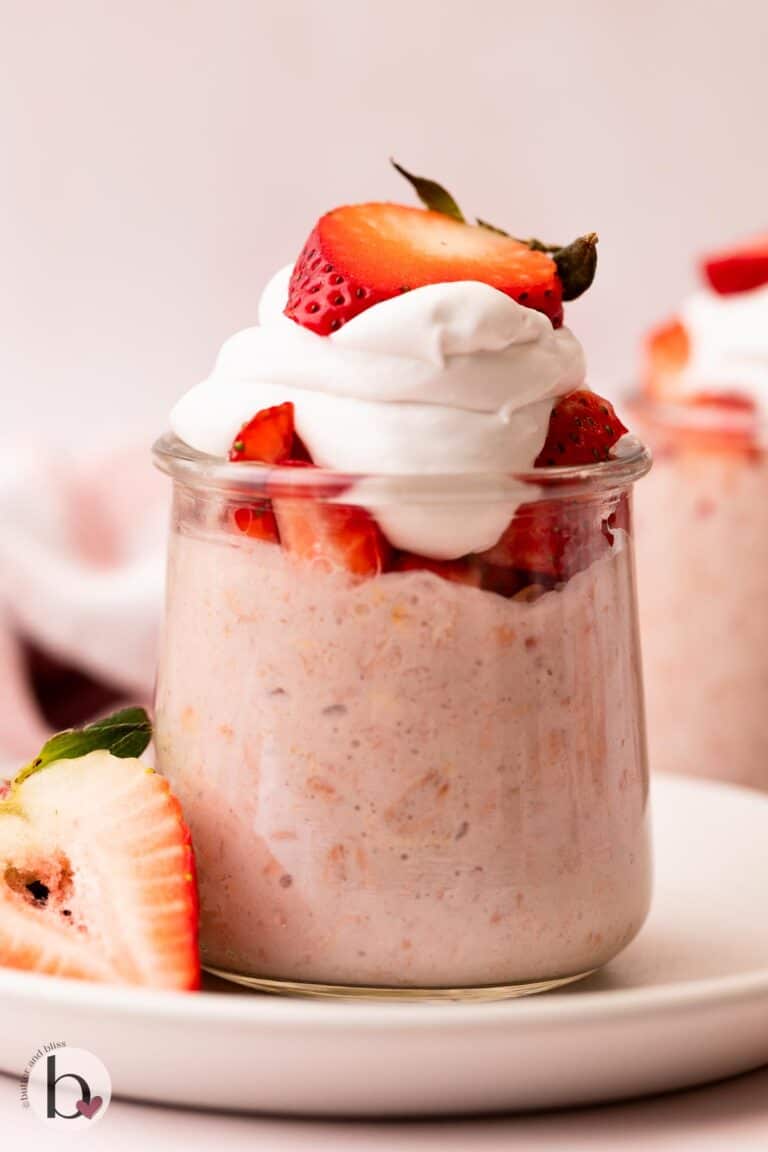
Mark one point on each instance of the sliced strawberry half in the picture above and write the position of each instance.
(583, 427)
(738, 269)
(97, 875)
(332, 537)
(362, 254)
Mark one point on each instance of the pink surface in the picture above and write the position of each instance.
(732, 1115)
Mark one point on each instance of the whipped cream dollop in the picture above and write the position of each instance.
(451, 378)
(728, 344)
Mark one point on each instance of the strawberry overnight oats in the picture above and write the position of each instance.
(399, 695)
(702, 526)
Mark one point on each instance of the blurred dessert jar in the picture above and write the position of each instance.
(702, 526)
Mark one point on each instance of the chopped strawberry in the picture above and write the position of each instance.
(97, 875)
(582, 430)
(738, 269)
(333, 537)
(268, 438)
(551, 538)
(362, 254)
(462, 571)
(257, 521)
(667, 350)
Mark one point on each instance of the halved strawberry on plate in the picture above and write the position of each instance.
(97, 873)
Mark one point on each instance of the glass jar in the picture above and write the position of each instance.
(430, 780)
(702, 554)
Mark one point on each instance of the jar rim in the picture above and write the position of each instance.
(198, 470)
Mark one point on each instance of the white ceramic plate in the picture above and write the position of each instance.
(686, 1003)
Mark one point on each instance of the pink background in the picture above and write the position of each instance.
(160, 159)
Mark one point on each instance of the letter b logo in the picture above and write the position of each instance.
(69, 1087)
(52, 1080)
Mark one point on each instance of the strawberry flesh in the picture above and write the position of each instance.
(332, 537)
(97, 875)
(257, 521)
(267, 438)
(363, 254)
(550, 539)
(583, 427)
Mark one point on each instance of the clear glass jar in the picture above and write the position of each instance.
(421, 782)
(702, 554)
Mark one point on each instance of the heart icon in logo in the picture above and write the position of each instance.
(89, 1110)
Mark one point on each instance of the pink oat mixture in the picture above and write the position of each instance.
(404, 781)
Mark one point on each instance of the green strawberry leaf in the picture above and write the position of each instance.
(126, 734)
(431, 194)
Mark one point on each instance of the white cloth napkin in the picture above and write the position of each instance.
(81, 576)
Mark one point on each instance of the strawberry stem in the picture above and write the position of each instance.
(576, 262)
(576, 265)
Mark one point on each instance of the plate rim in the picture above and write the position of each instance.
(244, 1009)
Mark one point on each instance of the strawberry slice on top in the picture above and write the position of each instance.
(363, 254)
(739, 269)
